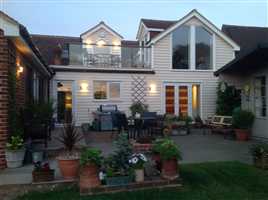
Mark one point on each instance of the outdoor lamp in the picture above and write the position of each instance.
(83, 87)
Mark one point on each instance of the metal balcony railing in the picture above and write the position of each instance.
(94, 56)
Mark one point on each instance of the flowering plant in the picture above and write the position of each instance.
(16, 143)
(137, 160)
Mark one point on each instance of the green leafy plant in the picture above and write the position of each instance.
(227, 99)
(69, 136)
(258, 150)
(138, 107)
(157, 145)
(242, 119)
(90, 156)
(15, 143)
(169, 150)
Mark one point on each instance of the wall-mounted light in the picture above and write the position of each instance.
(152, 88)
(100, 43)
(19, 68)
(83, 87)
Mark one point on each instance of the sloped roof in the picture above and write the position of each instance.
(48, 44)
(253, 45)
(27, 37)
(157, 24)
(248, 37)
(102, 23)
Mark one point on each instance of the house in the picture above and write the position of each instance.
(249, 72)
(170, 67)
(19, 58)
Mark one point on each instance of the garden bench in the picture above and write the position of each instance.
(221, 124)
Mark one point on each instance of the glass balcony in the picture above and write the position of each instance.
(94, 56)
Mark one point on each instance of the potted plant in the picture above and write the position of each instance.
(69, 159)
(117, 167)
(137, 161)
(15, 151)
(138, 108)
(170, 154)
(242, 122)
(90, 161)
(259, 153)
(156, 153)
(42, 172)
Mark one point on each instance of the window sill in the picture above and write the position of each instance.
(106, 100)
(192, 70)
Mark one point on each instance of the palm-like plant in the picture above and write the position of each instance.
(69, 137)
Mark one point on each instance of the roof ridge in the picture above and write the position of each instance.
(54, 36)
(244, 26)
(164, 20)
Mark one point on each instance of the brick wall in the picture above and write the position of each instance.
(4, 63)
(9, 58)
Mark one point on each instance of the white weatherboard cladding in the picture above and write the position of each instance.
(85, 103)
(162, 65)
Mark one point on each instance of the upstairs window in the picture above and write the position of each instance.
(192, 48)
(180, 42)
(203, 48)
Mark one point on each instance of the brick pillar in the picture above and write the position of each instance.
(3, 97)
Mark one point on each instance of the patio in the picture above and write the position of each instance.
(195, 148)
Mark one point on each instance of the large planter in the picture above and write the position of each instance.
(69, 168)
(139, 175)
(242, 134)
(15, 158)
(89, 177)
(118, 180)
(43, 176)
(170, 169)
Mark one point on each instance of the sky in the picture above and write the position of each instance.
(73, 17)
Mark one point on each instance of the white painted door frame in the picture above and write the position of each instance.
(176, 95)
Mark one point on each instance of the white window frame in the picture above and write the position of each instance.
(192, 50)
(260, 97)
(176, 93)
(108, 90)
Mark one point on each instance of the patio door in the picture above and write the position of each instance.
(182, 99)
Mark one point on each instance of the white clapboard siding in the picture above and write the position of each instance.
(224, 53)
(84, 102)
(164, 73)
(162, 58)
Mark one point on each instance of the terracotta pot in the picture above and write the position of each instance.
(69, 168)
(139, 175)
(89, 177)
(242, 134)
(170, 169)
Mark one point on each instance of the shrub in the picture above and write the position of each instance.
(243, 119)
(138, 107)
(90, 156)
(16, 143)
(117, 163)
(157, 145)
(169, 150)
(258, 150)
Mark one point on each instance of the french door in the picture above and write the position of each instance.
(182, 99)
